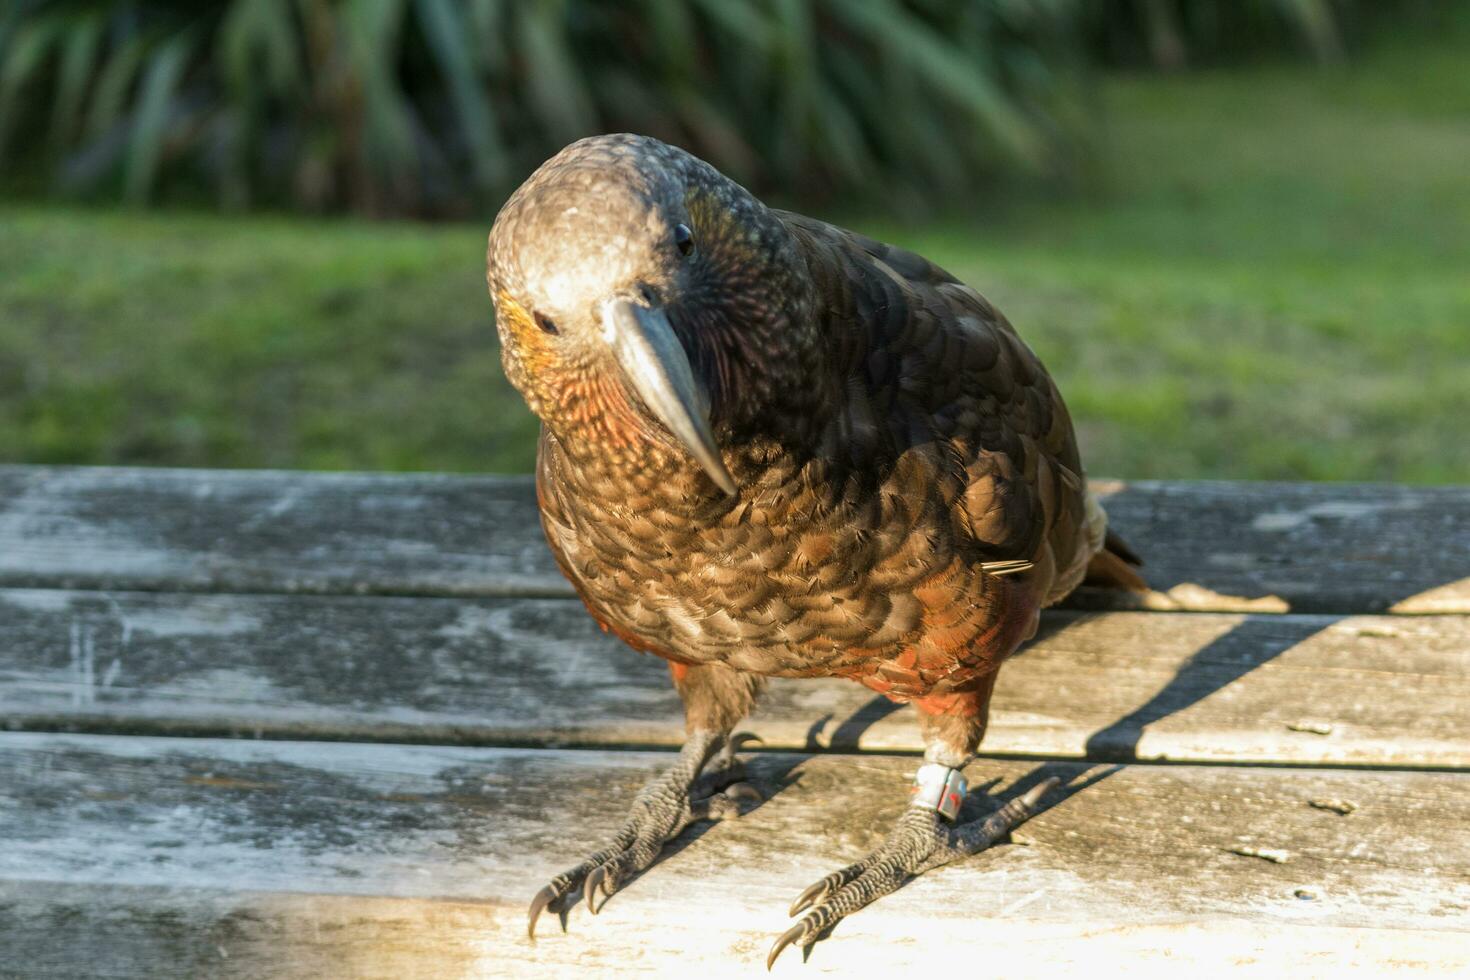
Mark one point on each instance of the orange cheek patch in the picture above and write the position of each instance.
(570, 391)
(530, 340)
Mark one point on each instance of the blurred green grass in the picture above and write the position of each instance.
(1269, 280)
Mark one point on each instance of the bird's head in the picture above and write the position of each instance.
(648, 306)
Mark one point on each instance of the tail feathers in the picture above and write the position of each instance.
(1113, 567)
(1114, 542)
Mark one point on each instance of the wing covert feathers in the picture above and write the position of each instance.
(909, 548)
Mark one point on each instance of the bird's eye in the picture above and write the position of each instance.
(547, 324)
(683, 239)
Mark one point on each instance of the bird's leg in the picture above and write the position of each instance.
(705, 783)
(926, 836)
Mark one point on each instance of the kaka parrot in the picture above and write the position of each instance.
(772, 447)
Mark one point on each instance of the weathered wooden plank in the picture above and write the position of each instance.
(1210, 546)
(65, 932)
(268, 531)
(1300, 547)
(272, 858)
(1109, 686)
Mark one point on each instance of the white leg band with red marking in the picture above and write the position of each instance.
(939, 788)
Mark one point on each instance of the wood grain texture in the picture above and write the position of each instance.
(1299, 547)
(1103, 686)
(271, 531)
(425, 609)
(1265, 547)
(66, 932)
(262, 858)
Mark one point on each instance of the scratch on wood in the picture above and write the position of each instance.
(83, 654)
(1022, 902)
(1343, 807)
(1274, 855)
(223, 782)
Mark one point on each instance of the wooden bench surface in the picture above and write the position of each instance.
(284, 724)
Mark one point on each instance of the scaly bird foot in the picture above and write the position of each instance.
(706, 783)
(921, 841)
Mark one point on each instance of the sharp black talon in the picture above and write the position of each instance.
(538, 904)
(1033, 796)
(741, 739)
(590, 886)
(786, 939)
(813, 894)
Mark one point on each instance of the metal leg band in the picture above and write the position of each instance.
(939, 788)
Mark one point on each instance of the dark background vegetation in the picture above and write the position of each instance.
(1237, 232)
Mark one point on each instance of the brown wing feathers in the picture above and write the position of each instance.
(909, 548)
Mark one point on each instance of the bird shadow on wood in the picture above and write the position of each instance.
(1216, 665)
(1212, 668)
(1271, 550)
(847, 736)
(1221, 662)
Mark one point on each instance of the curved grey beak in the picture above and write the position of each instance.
(643, 341)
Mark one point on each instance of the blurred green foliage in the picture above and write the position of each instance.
(1270, 284)
(439, 107)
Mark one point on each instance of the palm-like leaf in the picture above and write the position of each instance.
(441, 106)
